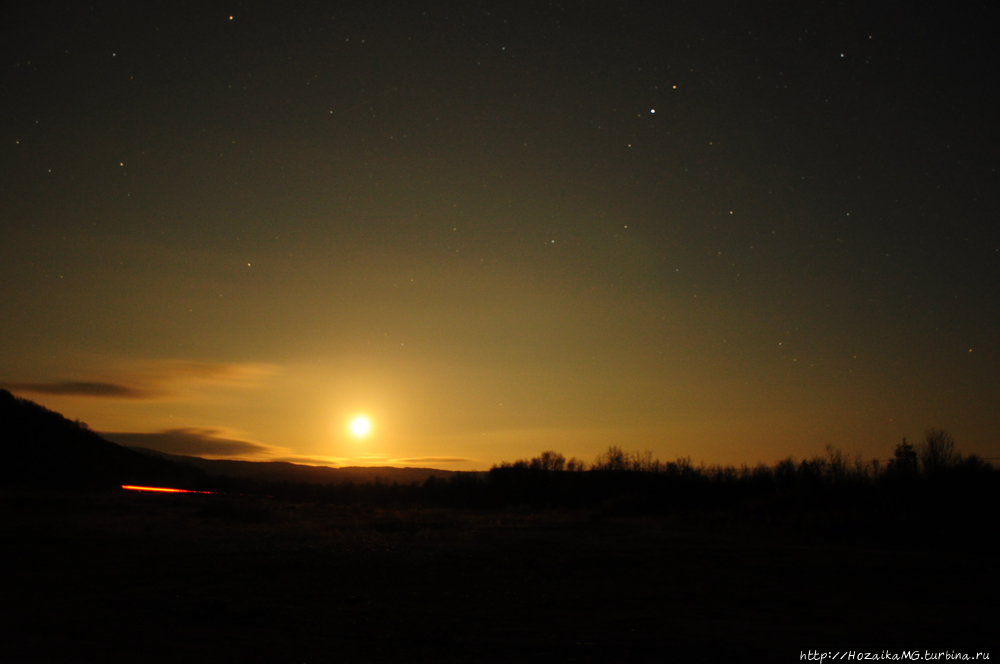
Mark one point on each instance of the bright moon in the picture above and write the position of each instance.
(361, 426)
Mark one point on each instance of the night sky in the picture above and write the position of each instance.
(729, 231)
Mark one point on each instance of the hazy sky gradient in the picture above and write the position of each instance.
(730, 232)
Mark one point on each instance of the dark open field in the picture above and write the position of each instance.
(108, 577)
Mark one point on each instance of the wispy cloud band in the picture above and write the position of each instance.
(86, 389)
(434, 460)
(149, 379)
(193, 441)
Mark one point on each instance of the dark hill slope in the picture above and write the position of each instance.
(41, 448)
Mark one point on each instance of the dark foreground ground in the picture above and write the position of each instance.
(192, 578)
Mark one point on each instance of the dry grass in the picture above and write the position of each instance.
(214, 578)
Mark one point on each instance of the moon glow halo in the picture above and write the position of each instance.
(361, 426)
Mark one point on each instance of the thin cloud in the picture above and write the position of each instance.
(87, 389)
(152, 379)
(225, 372)
(194, 441)
(308, 461)
(434, 460)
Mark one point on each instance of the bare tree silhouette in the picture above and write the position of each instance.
(938, 453)
(549, 460)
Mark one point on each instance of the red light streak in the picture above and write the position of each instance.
(160, 489)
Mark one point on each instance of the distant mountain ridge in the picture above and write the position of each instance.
(284, 471)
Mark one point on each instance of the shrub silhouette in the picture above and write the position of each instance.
(904, 461)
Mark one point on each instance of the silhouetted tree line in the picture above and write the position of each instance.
(926, 485)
